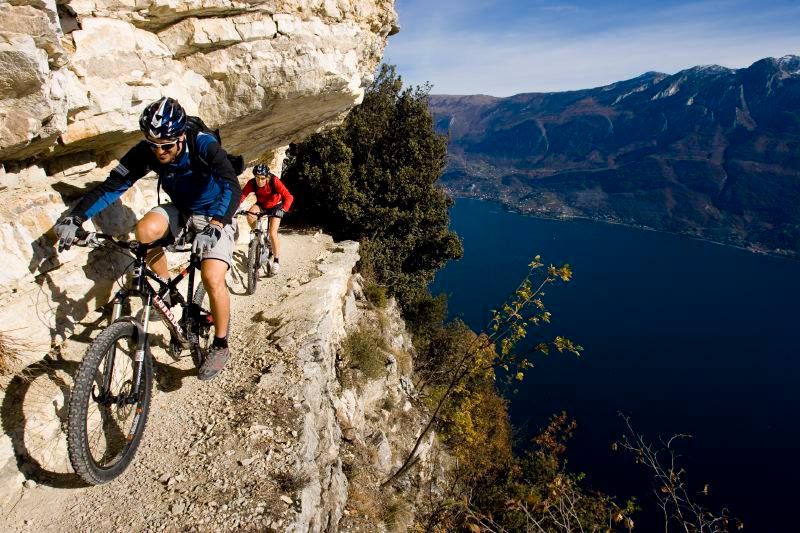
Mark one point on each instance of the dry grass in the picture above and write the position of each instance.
(11, 350)
(405, 362)
(292, 482)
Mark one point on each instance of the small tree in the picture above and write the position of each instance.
(494, 346)
(373, 178)
(678, 504)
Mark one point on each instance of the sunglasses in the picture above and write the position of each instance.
(165, 146)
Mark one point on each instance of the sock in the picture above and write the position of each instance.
(220, 342)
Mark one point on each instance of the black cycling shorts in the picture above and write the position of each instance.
(273, 211)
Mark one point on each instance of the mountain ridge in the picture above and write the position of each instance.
(708, 151)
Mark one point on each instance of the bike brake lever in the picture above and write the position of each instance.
(90, 239)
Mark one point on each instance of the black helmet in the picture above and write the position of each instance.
(163, 119)
(261, 170)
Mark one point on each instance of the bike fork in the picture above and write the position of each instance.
(116, 312)
(141, 346)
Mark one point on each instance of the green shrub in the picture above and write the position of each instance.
(376, 295)
(365, 350)
(373, 179)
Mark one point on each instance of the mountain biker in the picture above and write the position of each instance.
(203, 188)
(272, 198)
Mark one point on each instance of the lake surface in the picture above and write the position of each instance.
(683, 335)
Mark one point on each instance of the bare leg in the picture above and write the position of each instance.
(213, 272)
(255, 209)
(274, 223)
(150, 228)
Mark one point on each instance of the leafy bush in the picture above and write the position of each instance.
(365, 350)
(376, 294)
(372, 179)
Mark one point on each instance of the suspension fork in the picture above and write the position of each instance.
(141, 347)
(108, 371)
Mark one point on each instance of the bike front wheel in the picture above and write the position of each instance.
(253, 263)
(107, 416)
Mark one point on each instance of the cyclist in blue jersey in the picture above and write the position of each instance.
(204, 193)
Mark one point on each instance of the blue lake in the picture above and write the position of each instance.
(684, 336)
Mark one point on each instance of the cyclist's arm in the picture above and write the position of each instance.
(249, 187)
(131, 167)
(286, 196)
(210, 150)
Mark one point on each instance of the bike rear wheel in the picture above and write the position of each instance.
(106, 419)
(202, 322)
(253, 260)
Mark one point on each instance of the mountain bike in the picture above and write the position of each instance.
(110, 400)
(258, 251)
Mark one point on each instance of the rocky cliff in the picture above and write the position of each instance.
(76, 76)
(278, 442)
(273, 442)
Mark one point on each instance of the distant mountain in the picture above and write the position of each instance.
(709, 151)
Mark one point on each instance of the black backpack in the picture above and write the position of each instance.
(194, 126)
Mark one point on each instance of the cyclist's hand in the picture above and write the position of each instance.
(279, 213)
(67, 229)
(206, 239)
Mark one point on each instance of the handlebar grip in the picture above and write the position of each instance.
(81, 233)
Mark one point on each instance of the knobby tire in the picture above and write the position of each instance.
(201, 336)
(253, 259)
(118, 428)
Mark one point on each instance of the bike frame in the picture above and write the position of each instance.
(259, 232)
(139, 285)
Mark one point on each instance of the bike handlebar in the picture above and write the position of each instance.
(92, 239)
(258, 215)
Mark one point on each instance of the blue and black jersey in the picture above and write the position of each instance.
(201, 184)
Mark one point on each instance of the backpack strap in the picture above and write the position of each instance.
(194, 153)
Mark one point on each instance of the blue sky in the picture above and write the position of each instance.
(504, 47)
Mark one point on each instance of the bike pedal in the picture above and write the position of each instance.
(174, 350)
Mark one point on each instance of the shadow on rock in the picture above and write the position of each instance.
(169, 378)
(103, 266)
(34, 416)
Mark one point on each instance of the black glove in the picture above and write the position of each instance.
(67, 229)
(279, 213)
(206, 239)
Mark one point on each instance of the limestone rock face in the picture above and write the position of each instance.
(77, 74)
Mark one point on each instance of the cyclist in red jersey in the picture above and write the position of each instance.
(272, 197)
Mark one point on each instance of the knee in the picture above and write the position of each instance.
(213, 278)
(149, 229)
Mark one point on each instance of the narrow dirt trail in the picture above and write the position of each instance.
(218, 455)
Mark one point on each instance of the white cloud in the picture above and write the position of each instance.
(552, 59)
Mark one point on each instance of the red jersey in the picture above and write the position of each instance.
(271, 194)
